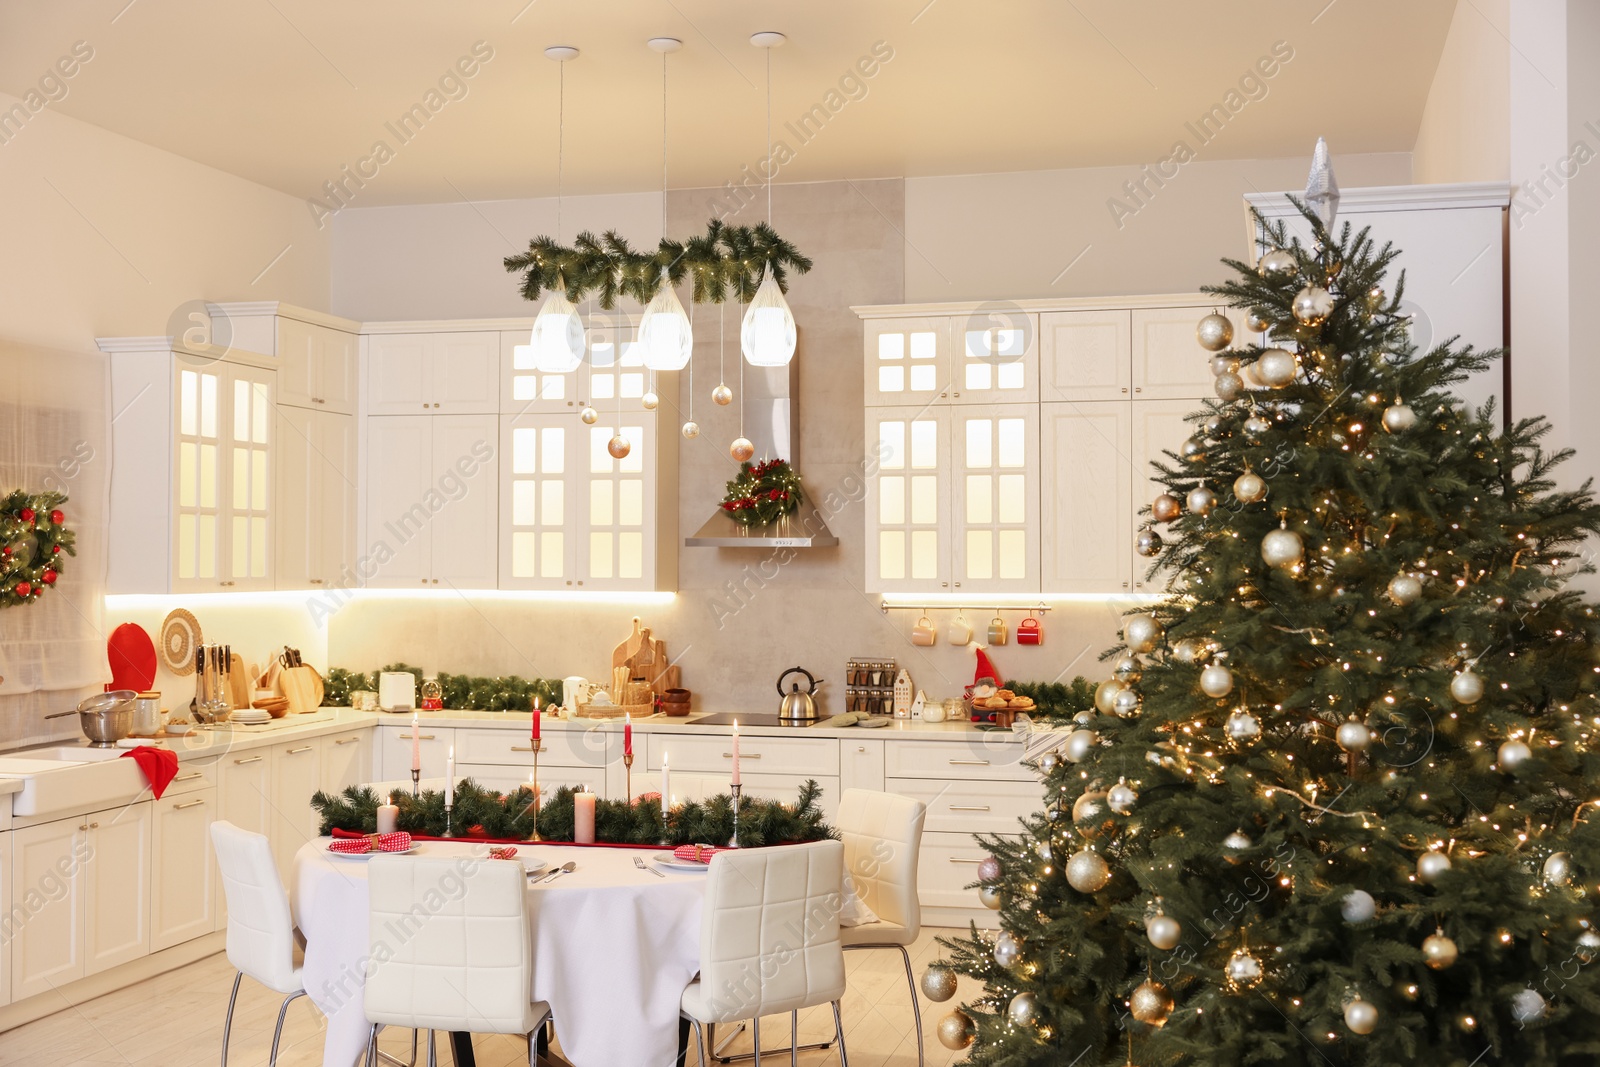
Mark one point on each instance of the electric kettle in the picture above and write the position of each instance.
(798, 708)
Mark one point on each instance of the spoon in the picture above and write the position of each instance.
(566, 868)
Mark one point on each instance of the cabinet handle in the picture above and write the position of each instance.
(435, 403)
(297, 751)
(969, 807)
(861, 748)
(318, 400)
(526, 748)
(422, 737)
(189, 777)
(94, 826)
(224, 583)
(969, 763)
(425, 403)
(1138, 388)
(742, 755)
(424, 581)
(252, 759)
(1124, 388)
(191, 804)
(346, 740)
(954, 859)
(84, 827)
(436, 581)
(316, 581)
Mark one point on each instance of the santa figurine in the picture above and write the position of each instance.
(986, 682)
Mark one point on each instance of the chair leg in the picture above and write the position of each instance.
(277, 1031)
(916, 1006)
(700, 1041)
(371, 1057)
(227, 1023)
(794, 1039)
(755, 1033)
(838, 1028)
(433, 1051)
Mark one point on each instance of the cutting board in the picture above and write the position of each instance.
(303, 688)
(238, 682)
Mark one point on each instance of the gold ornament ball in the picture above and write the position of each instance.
(1282, 548)
(1312, 305)
(1121, 798)
(1431, 866)
(1126, 669)
(1151, 1003)
(1376, 298)
(1256, 426)
(1353, 736)
(1558, 868)
(1277, 367)
(1360, 1016)
(1216, 681)
(1105, 695)
(589, 416)
(1438, 951)
(1250, 488)
(1201, 500)
(1023, 1010)
(1215, 332)
(1087, 871)
(1147, 543)
(722, 395)
(1080, 745)
(691, 430)
(1277, 261)
(989, 897)
(1165, 508)
(1513, 754)
(1242, 727)
(956, 1031)
(1398, 418)
(1466, 688)
(1224, 363)
(1092, 814)
(650, 401)
(618, 446)
(1404, 589)
(938, 984)
(1243, 969)
(742, 450)
(1142, 632)
(1257, 320)
(1189, 650)
(1163, 931)
(1193, 449)
(1229, 387)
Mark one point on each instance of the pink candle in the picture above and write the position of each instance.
(735, 780)
(534, 736)
(416, 745)
(627, 733)
(583, 817)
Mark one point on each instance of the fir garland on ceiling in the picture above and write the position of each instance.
(726, 262)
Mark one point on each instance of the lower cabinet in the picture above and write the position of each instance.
(117, 894)
(394, 751)
(346, 760)
(296, 775)
(183, 891)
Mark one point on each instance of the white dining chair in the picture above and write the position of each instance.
(261, 935)
(451, 949)
(882, 835)
(769, 940)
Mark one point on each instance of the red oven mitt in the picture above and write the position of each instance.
(160, 766)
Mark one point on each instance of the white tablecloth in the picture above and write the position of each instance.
(614, 947)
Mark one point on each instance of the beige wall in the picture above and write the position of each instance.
(104, 236)
(1465, 131)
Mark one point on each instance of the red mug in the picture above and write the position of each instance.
(1028, 632)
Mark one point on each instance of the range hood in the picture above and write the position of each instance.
(772, 423)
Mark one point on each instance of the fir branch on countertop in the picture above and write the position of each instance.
(1056, 700)
(461, 692)
(497, 815)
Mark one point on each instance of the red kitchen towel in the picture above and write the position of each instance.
(696, 853)
(354, 844)
(160, 766)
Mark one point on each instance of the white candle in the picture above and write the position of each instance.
(735, 752)
(666, 784)
(416, 745)
(388, 816)
(583, 817)
(450, 779)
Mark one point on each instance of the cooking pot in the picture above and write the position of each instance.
(797, 708)
(106, 718)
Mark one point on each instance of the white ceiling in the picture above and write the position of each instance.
(285, 92)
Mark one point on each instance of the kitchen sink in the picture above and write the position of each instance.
(73, 754)
(65, 779)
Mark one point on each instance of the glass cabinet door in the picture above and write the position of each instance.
(907, 361)
(198, 476)
(249, 477)
(223, 477)
(996, 358)
(995, 481)
(617, 546)
(538, 467)
(908, 502)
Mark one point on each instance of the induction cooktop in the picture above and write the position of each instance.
(722, 718)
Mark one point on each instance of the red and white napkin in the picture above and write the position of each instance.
(503, 852)
(696, 853)
(350, 843)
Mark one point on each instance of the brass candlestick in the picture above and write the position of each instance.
(736, 790)
(537, 745)
(627, 763)
(416, 782)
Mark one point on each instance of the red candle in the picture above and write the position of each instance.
(627, 733)
(535, 734)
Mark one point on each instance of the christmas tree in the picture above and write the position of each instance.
(1335, 806)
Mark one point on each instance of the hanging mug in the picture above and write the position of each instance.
(1028, 632)
(923, 633)
(997, 631)
(960, 632)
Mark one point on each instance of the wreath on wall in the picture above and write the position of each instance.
(763, 493)
(33, 540)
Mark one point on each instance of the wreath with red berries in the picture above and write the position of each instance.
(763, 493)
(34, 541)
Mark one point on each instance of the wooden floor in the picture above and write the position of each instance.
(175, 1020)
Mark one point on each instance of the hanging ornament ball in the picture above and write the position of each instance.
(1241, 726)
(1193, 449)
(1163, 931)
(27, 514)
(1201, 500)
(24, 588)
(1243, 969)
(1214, 332)
(1087, 871)
(956, 1031)
(1431, 865)
(1282, 548)
(742, 450)
(1513, 754)
(1189, 650)
(1147, 543)
(1229, 387)
(1467, 688)
(1023, 1010)
(988, 869)
(1224, 363)
(691, 430)
(1126, 669)
(1165, 508)
(1438, 951)
(722, 395)
(1527, 1006)
(1092, 814)
(1250, 488)
(1588, 946)
(1257, 320)
(1360, 1016)
(1048, 763)
(938, 984)
(618, 446)
(1105, 695)
(1256, 426)
(1215, 426)
(1276, 368)
(650, 401)
(1150, 1003)
(1312, 305)
(1216, 681)
(1142, 632)
(1126, 704)
(1405, 589)
(49, 577)
(1080, 745)
(1121, 798)
(1558, 868)
(1007, 949)
(1277, 261)
(1353, 736)
(1237, 841)
(589, 416)
(1358, 906)
(989, 897)
(1397, 418)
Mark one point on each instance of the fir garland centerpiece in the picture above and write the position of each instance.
(763, 493)
(33, 539)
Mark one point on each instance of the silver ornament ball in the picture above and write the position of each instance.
(1282, 548)
(1276, 261)
(1353, 736)
(1126, 704)
(1048, 763)
(1398, 418)
(1105, 695)
(1256, 426)
(1405, 589)
(1431, 866)
(1557, 868)
(1360, 1016)
(1201, 500)
(1243, 969)
(1121, 798)
(1147, 543)
(1087, 871)
(589, 416)
(1007, 949)
(1163, 931)
(1214, 332)
(1080, 745)
(1142, 632)
(1216, 681)
(1358, 906)
(989, 897)
(1312, 305)
(1193, 449)
(1250, 488)
(938, 984)
(1276, 368)
(1466, 688)
(1513, 754)
(1588, 946)
(1242, 727)
(1023, 1010)
(1527, 1006)
(1126, 670)
(650, 401)
(1237, 841)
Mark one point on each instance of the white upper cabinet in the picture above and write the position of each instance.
(432, 501)
(524, 389)
(440, 373)
(909, 500)
(316, 366)
(1168, 363)
(317, 478)
(1084, 450)
(1159, 427)
(907, 361)
(995, 358)
(1083, 355)
(994, 466)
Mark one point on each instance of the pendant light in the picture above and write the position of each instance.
(557, 339)
(767, 334)
(665, 331)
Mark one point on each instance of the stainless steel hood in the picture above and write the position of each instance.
(772, 423)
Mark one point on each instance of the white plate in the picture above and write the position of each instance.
(535, 867)
(366, 855)
(673, 863)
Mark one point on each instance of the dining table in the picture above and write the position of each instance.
(614, 945)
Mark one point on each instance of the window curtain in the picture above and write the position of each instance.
(53, 436)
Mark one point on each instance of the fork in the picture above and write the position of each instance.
(639, 863)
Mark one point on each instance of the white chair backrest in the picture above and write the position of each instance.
(451, 944)
(260, 931)
(882, 835)
(769, 939)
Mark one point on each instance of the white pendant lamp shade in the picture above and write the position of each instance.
(665, 332)
(767, 334)
(557, 339)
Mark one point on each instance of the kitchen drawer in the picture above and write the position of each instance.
(193, 775)
(977, 757)
(861, 764)
(507, 777)
(807, 757)
(561, 748)
(968, 807)
(394, 750)
(947, 864)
